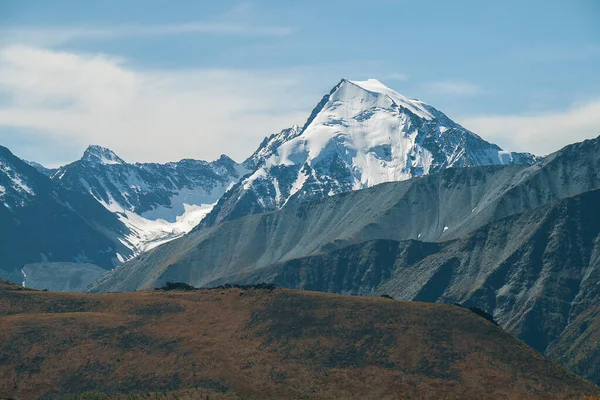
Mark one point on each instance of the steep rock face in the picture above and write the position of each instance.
(361, 134)
(443, 206)
(42, 221)
(358, 269)
(577, 347)
(158, 202)
(40, 168)
(269, 147)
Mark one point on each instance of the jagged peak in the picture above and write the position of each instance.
(5, 152)
(270, 144)
(101, 155)
(224, 158)
(376, 87)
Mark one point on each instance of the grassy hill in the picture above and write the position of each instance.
(245, 344)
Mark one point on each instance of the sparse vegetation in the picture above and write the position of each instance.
(265, 344)
(258, 286)
(180, 286)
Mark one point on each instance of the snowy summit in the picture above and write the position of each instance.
(359, 135)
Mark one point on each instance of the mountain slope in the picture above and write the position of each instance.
(361, 134)
(42, 221)
(537, 273)
(577, 346)
(443, 206)
(534, 272)
(41, 168)
(263, 344)
(157, 202)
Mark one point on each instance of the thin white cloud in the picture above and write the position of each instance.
(61, 35)
(542, 133)
(144, 115)
(395, 76)
(455, 88)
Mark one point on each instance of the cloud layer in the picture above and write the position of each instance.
(144, 115)
(541, 133)
(75, 99)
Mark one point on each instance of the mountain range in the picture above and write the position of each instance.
(359, 135)
(518, 241)
(43, 221)
(376, 194)
(156, 202)
(99, 211)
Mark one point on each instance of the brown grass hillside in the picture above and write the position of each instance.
(260, 344)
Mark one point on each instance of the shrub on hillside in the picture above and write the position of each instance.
(258, 286)
(176, 286)
(483, 314)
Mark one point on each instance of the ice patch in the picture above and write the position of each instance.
(505, 157)
(277, 191)
(258, 174)
(21, 186)
(186, 197)
(24, 278)
(446, 228)
(16, 181)
(146, 234)
(60, 173)
(300, 181)
(231, 185)
(108, 161)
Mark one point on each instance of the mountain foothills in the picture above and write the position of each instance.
(231, 343)
(518, 241)
(376, 194)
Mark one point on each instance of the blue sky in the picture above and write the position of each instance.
(158, 80)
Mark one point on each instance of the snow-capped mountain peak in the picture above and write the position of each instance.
(17, 181)
(101, 155)
(156, 202)
(378, 89)
(362, 133)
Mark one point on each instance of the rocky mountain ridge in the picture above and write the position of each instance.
(42, 221)
(157, 202)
